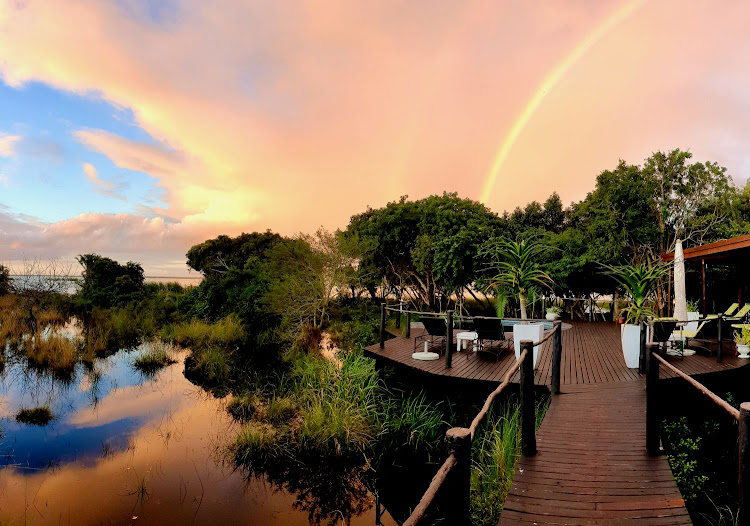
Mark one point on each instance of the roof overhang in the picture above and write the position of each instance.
(734, 247)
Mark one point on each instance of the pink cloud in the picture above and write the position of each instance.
(8, 145)
(289, 115)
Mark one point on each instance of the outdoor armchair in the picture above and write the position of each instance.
(435, 330)
(490, 330)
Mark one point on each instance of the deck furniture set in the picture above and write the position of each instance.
(484, 335)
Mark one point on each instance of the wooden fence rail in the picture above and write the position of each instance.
(742, 416)
(456, 470)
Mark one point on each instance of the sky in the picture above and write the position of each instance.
(137, 128)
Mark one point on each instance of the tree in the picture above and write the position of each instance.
(37, 282)
(425, 250)
(515, 267)
(691, 199)
(218, 255)
(107, 283)
(307, 272)
(4, 280)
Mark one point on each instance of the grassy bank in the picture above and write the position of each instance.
(322, 408)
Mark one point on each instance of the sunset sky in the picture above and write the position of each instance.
(138, 128)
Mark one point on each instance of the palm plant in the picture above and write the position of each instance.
(516, 267)
(640, 283)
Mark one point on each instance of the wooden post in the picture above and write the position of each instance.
(398, 318)
(449, 340)
(720, 352)
(652, 412)
(743, 479)
(408, 324)
(556, 356)
(458, 499)
(528, 403)
(644, 352)
(703, 286)
(382, 325)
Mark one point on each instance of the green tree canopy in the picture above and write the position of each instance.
(423, 249)
(107, 283)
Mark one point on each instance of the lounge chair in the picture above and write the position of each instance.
(685, 335)
(490, 330)
(729, 313)
(435, 330)
(741, 314)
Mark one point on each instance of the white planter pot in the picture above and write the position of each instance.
(743, 351)
(693, 318)
(552, 316)
(531, 331)
(630, 336)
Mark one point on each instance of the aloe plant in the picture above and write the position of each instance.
(516, 267)
(640, 283)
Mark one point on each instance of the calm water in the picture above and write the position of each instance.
(125, 448)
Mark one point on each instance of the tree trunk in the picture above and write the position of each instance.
(616, 305)
(522, 301)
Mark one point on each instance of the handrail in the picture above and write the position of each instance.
(491, 398)
(547, 336)
(432, 489)
(734, 413)
(460, 440)
(742, 416)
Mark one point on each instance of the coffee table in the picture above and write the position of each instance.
(462, 339)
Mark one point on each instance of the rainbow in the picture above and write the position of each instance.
(550, 81)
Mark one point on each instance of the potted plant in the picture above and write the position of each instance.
(639, 282)
(517, 272)
(742, 339)
(553, 313)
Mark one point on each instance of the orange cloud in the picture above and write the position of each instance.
(294, 114)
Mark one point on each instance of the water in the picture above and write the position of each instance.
(125, 448)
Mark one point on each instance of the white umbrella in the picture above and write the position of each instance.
(680, 298)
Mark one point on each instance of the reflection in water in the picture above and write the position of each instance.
(128, 449)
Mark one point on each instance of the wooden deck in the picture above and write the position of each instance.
(592, 466)
(591, 354)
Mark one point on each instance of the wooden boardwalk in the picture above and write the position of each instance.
(592, 466)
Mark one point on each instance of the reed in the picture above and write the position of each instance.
(197, 334)
(52, 350)
(154, 355)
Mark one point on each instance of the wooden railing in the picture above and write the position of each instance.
(742, 416)
(456, 470)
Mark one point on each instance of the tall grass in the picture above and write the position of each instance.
(226, 333)
(495, 453)
(153, 356)
(52, 350)
(324, 408)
